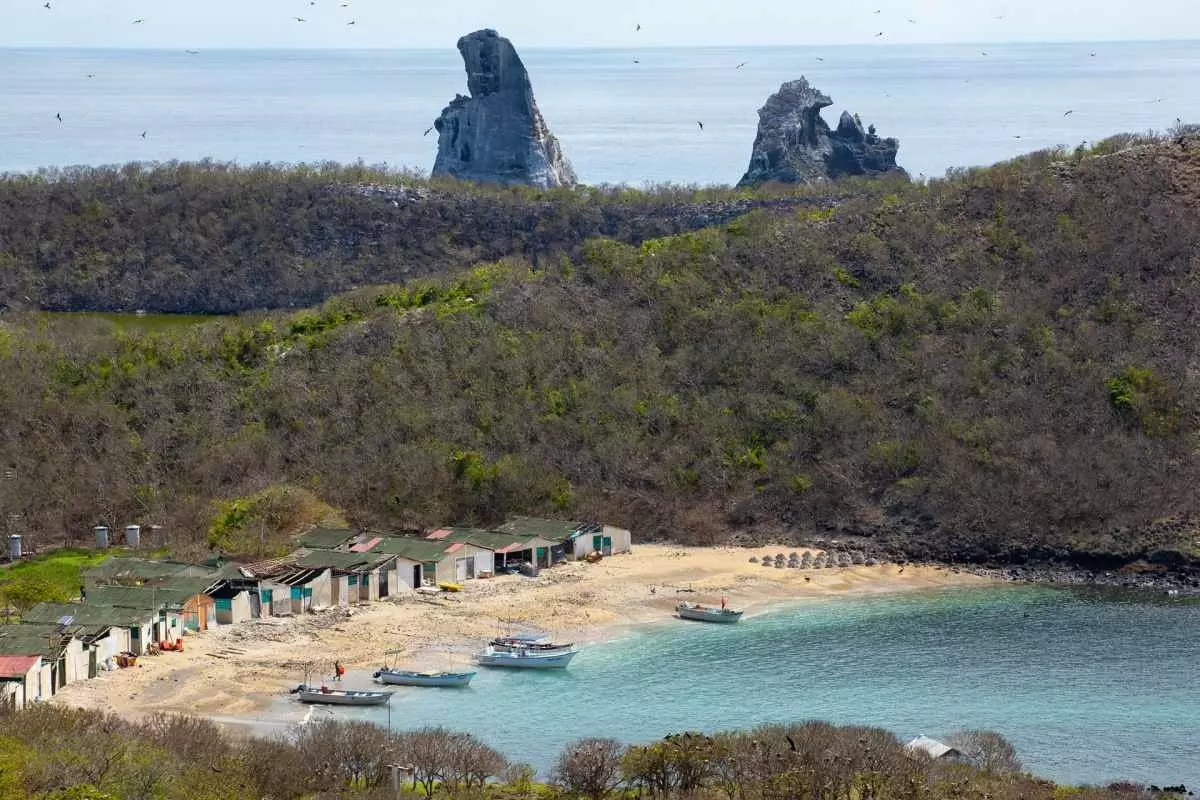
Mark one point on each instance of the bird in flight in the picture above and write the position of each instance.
(1018, 136)
(879, 34)
(911, 21)
(138, 21)
(1092, 54)
(143, 134)
(428, 131)
(91, 74)
(58, 117)
(47, 6)
(636, 61)
(879, 11)
(739, 66)
(300, 19)
(1068, 112)
(638, 28)
(352, 22)
(701, 124)
(192, 52)
(983, 52)
(820, 59)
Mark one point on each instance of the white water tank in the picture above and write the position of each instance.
(101, 537)
(133, 536)
(158, 536)
(14, 547)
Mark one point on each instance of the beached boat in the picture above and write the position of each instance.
(339, 697)
(406, 677)
(447, 586)
(524, 658)
(701, 613)
(530, 642)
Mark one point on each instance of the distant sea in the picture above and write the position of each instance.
(1089, 686)
(619, 121)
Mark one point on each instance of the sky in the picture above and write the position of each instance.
(583, 23)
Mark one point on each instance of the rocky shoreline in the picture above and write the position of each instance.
(1173, 584)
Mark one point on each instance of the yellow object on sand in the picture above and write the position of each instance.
(447, 586)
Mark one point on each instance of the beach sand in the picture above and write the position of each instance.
(241, 672)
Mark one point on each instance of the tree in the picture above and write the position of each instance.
(987, 750)
(590, 767)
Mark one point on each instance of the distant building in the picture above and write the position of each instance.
(936, 750)
(578, 539)
(20, 681)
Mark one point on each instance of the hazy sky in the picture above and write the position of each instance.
(576, 23)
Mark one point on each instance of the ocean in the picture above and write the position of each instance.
(1089, 686)
(619, 121)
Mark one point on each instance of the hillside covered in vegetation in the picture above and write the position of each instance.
(51, 753)
(995, 366)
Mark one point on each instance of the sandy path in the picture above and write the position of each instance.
(240, 671)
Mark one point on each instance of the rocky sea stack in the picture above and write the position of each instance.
(795, 145)
(497, 135)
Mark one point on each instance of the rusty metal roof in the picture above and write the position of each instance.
(17, 666)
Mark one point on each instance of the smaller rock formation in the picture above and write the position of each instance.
(497, 135)
(795, 145)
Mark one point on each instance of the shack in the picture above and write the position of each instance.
(324, 537)
(184, 601)
(452, 562)
(577, 539)
(938, 751)
(63, 657)
(355, 577)
(510, 552)
(142, 572)
(285, 588)
(20, 681)
(142, 626)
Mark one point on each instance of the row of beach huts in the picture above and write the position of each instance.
(131, 606)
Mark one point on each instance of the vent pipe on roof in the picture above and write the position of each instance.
(101, 537)
(14, 547)
(133, 536)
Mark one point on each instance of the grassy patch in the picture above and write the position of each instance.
(55, 577)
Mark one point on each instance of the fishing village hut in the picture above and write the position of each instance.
(63, 657)
(326, 538)
(185, 602)
(508, 550)
(141, 626)
(285, 588)
(141, 572)
(439, 562)
(577, 539)
(20, 681)
(356, 577)
(936, 750)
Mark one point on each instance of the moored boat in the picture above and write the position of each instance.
(323, 695)
(405, 677)
(524, 658)
(701, 613)
(535, 644)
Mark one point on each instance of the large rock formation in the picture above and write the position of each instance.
(497, 135)
(795, 145)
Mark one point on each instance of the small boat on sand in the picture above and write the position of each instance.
(447, 586)
(524, 658)
(700, 613)
(323, 695)
(406, 677)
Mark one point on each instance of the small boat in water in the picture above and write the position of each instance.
(531, 642)
(700, 613)
(323, 695)
(406, 677)
(525, 658)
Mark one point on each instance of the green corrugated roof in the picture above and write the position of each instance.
(174, 593)
(45, 646)
(88, 614)
(142, 569)
(556, 530)
(317, 559)
(411, 547)
(321, 538)
(492, 540)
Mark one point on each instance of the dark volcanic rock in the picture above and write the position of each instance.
(497, 135)
(795, 145)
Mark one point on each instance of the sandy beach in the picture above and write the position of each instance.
(242, 671)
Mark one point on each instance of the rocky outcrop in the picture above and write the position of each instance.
(497, 135)
(795, 145)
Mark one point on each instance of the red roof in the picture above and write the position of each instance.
(365, 546)
(515, 547)
(438, 534)
(454, 548)
(17, 666)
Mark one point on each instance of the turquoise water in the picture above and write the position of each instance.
(1089, 687)
(618, 121)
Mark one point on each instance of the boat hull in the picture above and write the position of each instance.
(526, 660)
(338, 697)
(508, 645)
(408, 678)
(705, 614)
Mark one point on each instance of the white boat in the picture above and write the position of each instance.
(532, 643)
(323, 695)
(406, 677)
(700, 613)
(525, 658)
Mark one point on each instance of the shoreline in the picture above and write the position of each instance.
(239, 675)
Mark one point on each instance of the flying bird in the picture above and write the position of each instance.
(143, 134)
(638, 28)
(58, 117)
(428, 130)
(879, 11)
(636, 61)
(138, 21)
(820, 59)
(352, 22)
(91, 74)
(739, 66)
(192, 52)
(300, 19)
(701, 124)
(983, 52)
(879, 34)
(1068, 112)
(911, 21)
(1092, 54)
(47, 6)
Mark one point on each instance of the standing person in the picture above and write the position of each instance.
(338, 670)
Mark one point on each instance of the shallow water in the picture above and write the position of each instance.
(1090, 687)
(619, 121)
